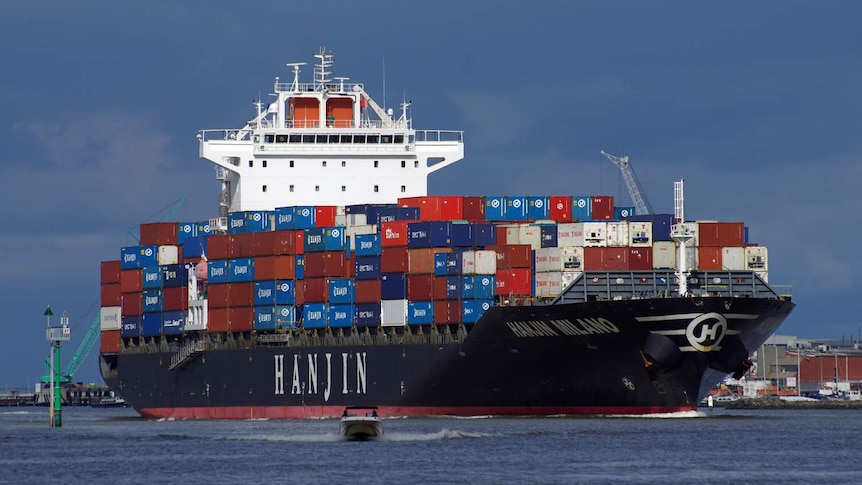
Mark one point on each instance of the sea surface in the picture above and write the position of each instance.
(718, 446)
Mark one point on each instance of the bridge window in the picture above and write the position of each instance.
(281, 138)
(385, 138)
(399, 138)
(358, 138)
(322, 139)
(294, 139)
(373, 138)
(269, 138)
(307, 138)
(345, 138)
(333, 138)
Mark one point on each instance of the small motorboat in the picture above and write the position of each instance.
(110, 402)
(361, 423)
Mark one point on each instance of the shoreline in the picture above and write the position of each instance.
(772, 402)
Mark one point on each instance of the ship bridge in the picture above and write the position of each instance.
(325, 143)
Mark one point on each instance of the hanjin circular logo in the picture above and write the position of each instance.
(335, 233)
(516, 203)
(582, 203)
(628, 383)
(148, 252)
(495, 203)
(539, 203)
(256, 217)
(306, 212)
(706, 332)
(285, 287)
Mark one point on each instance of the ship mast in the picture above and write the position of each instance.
(681, 235)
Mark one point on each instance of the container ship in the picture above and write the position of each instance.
(330, 278)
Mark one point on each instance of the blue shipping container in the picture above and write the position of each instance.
(516, 208)
(368, 245)
(304, 216)
(367, 314)
(486, 286)
(285, 218)
(249, 221)
(314, 315)
(582, 208)
(341, 315)
(342, 290)
(495, 208)
(461, 235)
(285, 292)
(151, 324)
(335, 239)
(548, 235)
(285, 316)
(440, 263)
(152, 301)
(217, 271)
(314, 239)
(174, 275)
(264, 318)
(151, 277)
(134, 257)
(454, 263)
(203, 228)
(173, 323)
(300, 267)
(430, 234)
(240, 270)
(537, 208)
(186, 231)
(194, 247)
(472, 310)
(130, 326)
(393, 286)
(264, 293)
(661, 224)
(484, 235)
(621, 213)
(368, 268)
(420, 312)
(468, 287)
(453, 287)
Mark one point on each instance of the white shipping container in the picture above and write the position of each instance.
(595, 235)
(570, 234)
(568, 277)
(348, 220)
(541, 283)
(640, 234)
(618, 234)
(197, 316)
(663, 255)
(559, 259)
(524, 234)
(552, 283)
(733, 258)
(764, 275)
(353, 231)
(486, 262)
(168, 255)
(468, 262)
(756, 258)
(109, 317)
(393, 313)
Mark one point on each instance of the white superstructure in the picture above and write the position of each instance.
(324, 143)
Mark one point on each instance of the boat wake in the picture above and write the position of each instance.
(678, 415)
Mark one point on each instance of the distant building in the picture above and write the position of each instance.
(808, 365)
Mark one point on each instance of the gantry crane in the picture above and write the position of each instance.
(642, 206)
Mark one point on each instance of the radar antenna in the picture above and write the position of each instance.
(295, 65)
(681, 235)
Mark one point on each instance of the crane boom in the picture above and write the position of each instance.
(642, 206)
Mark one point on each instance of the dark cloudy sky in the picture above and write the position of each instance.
(756, 104)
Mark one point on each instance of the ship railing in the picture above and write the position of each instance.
(334, 88)
(439, 136)
(341, 124)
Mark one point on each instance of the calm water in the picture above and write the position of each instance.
(117, 446)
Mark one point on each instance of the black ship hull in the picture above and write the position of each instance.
(602, 357)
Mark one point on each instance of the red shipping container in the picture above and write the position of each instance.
(159, 233)
(560, 208)
(217, 320)
(175, 299)
(420, 261)
(595, 259)
(618, 259)
(241, 245)
(131, 280)
(602, 207)
(429, 206)
(513, 255)
(474, 209)
(111, 271)
(131, 304)
(299, 242)
(731, 234)
(316, 290)
(515, 281)
(324, 215)
(707, 234)
(368, 291)
(640, 259)
(438, 292)
(240, 294)
(110, 294)
(217, 295)
(393, 234)
(451, 208)
(274, 243)
(241, 319)
(328, 263)
(218, 246)
(394, 260)
(447, 312)
(268, 268)
(420, 287)
(349, 268)
(501, 234)
(709, 258)
(110, 342)
(299, 288)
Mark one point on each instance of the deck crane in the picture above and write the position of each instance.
(94, 331)
(642, 206)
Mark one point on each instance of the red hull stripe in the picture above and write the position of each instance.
(299, 412)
